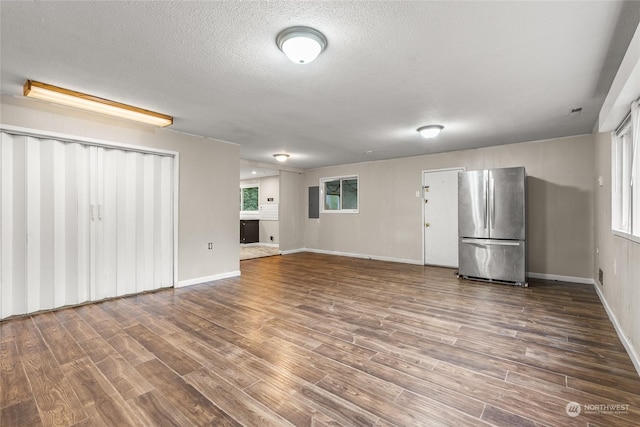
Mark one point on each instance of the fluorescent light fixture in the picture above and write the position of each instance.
(83, 101)
(281, 157)
(430, 131)
(301, 44)
(254, 173)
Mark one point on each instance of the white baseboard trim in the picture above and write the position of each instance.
(544, 276)
(635, 358)
(293, 251)
(356, 255)
(270, 245)
(572, 279)
(198, 280)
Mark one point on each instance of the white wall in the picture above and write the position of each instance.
(270, 189)
(292, 211)
(389, 225)
(618, 258)
(208, 205)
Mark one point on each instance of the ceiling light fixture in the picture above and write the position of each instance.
(301, 44)
(71, 98)
(281, 157)
(430, 131)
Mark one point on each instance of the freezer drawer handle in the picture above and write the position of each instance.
(490, 242)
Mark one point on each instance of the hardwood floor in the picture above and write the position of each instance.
(318, 340)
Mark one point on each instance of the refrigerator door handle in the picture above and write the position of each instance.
(486, 201)
(492, 192)
(492, 242)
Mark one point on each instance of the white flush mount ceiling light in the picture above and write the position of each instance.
(83, 101)
(430, 131)
(281, 157)
(301, 44)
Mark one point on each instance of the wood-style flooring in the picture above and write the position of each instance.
(318, 340)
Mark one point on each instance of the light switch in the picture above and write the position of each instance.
(417, 193)
(600, 181)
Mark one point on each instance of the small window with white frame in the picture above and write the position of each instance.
(249, 198)
(339, 194)
(625, 179)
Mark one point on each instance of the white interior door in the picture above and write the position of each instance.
(440, 196)
(81, 223)
(45, 224)
(13, 225)
(134, 223)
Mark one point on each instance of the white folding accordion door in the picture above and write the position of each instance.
(81, 223)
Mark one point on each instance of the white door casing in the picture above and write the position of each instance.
(440, 217)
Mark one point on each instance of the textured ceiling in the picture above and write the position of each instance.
(491, 72)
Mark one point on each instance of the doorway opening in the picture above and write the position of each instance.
(259, 219)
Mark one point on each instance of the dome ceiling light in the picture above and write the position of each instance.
(281, 157)
(301, 44)
(430, 131)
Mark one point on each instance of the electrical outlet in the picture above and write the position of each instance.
(271, 238)
(210, 245)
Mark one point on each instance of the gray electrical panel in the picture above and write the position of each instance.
(314, 202)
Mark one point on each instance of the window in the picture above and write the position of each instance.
(339, 194)
(249, 197)
(625, 191)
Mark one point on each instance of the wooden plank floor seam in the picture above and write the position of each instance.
(318, 340)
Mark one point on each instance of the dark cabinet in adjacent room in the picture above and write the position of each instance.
(249, 231)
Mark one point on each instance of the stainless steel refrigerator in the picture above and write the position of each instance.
(492, 225)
